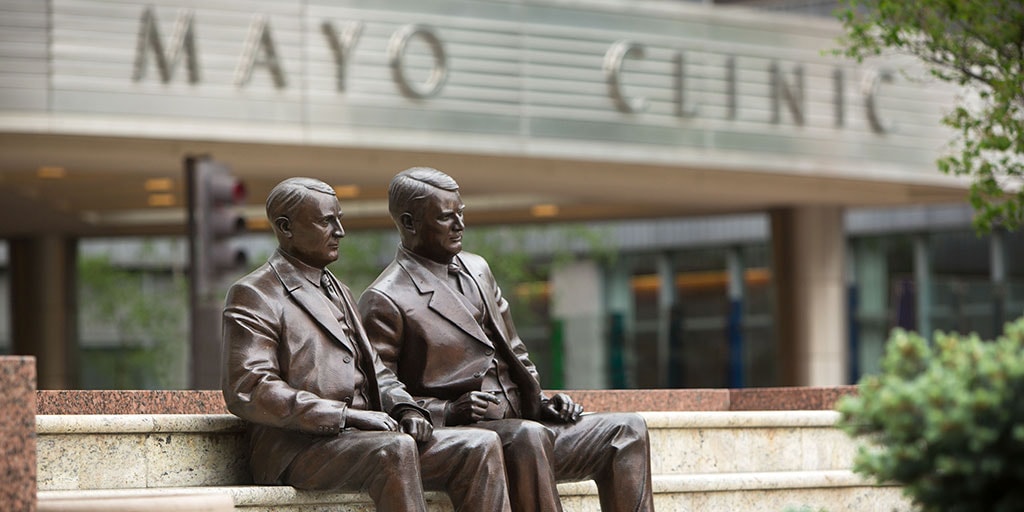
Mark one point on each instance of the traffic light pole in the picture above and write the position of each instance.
(212, 192)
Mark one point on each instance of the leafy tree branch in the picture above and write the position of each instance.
(977, 45)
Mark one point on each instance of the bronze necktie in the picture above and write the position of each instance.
(332, 293)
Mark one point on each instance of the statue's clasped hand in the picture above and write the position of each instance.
(469, 408)
(561, 408)
(414, 424)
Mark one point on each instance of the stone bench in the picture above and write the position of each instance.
(717, 460)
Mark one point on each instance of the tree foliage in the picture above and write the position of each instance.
(979, 46)
(946, 420)
(147, 319)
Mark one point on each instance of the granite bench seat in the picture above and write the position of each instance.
(839, 490)
(727, 460)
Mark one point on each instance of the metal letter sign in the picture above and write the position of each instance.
(342, 46)
(869, 89)
(183, 43)
(613, 60)
(259, 38)
(794, 96)
(790, 88)
(683, 106)
(396, 56)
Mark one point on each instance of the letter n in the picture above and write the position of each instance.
(793, 96)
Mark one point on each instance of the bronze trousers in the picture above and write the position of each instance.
(466, 463)
(613, 449)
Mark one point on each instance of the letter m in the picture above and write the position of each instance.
(182, 44)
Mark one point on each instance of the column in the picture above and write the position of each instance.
(577, 306)
(43, 307)
(808, 253)
(18, 433)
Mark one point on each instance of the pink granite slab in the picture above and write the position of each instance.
(618, 400)
(787, 399)
(628, 400)
(131, 402)
(18, 433)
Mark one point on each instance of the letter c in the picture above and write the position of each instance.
(613, 61)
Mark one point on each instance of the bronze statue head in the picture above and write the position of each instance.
(306, 218)
(427, 209)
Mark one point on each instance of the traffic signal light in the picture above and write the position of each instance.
(214, 195)
(214, 220)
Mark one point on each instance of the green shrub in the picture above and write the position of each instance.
(945, 420)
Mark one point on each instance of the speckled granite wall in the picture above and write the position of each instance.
(18, 433)
(212, 402)
(131, 402)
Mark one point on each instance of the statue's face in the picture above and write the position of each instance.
(315, 230)
(439, 230)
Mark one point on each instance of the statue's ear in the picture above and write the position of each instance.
(283, 225)
(406, 221)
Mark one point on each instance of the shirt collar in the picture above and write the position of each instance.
(311, 274)
(438, 269)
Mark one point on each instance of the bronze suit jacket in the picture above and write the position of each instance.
(425, 334)
(290, 369)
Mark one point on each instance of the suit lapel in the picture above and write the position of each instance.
(310, 299)
(442, 298)
(490, 306)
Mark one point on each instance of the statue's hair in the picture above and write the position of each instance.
(411, 186)
(289, 194)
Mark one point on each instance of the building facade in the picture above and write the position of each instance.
(629, 114)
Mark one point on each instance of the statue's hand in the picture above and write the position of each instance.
(414, 424)
(370, 420)
(561, 408)
(469, 408)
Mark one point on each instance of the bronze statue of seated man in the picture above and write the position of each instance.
(438, 319)
(324, 412)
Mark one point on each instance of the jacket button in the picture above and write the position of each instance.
(489, 352)
(477, 375)
(348, 359)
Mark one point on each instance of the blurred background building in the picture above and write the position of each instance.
(673, 194)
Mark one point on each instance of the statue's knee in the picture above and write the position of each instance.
(532, 433)
(397, 449)
(480, 441)
(635, 423)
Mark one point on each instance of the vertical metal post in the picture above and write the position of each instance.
(923, 286)
(666, 306)
(620, 321)
(852, 310)
(735, 271)
(997, 251)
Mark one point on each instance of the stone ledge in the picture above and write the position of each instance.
(283, 495)
(612, 400)
(137, 423)
(740, 419)
(163, 423)
(183, 500)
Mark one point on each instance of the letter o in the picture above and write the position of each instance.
(396, 56)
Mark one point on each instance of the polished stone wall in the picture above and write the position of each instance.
(610, 400)
(18, 433)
